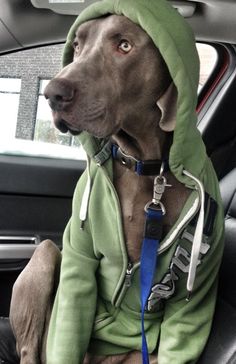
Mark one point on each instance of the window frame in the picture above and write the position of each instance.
(53, 152)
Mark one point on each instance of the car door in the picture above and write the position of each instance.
(35, 204)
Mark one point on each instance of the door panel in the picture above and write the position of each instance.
(35, 204)
(9, 270)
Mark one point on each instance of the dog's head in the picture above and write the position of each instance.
(116, 77)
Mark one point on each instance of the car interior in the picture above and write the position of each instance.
(36, 192)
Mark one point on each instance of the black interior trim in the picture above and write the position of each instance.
(15, 13)
(39, 176)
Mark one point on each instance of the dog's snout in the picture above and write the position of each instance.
(59, 93)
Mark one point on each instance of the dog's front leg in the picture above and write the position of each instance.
(32, 300)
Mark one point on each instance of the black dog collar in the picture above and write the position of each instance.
(142, 168)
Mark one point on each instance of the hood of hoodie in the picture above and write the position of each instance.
(174, 38)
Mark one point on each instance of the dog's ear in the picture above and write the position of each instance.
(167, 103)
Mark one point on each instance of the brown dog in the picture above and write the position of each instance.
(100, 93)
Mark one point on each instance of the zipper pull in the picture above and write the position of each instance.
(128, 277)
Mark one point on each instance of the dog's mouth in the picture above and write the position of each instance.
(95, 125)
(64, 126)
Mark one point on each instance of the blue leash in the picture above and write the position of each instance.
(152, 236)
(155, 211)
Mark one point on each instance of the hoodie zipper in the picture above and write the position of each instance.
(127, 282)
(128, 275)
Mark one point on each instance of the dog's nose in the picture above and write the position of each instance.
(59, 93)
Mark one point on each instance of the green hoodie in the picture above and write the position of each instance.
(97, 307)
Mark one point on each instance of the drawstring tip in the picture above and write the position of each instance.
(82, 225)
(188, 298)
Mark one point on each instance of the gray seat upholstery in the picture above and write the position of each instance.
(221, 346)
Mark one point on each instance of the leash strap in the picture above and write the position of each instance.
(152, 236)
(154, 211)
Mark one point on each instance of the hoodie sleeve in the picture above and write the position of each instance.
(75, 304)
(186, 324)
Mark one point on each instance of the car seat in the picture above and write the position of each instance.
(221, 345)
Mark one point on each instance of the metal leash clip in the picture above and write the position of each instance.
(160, 183)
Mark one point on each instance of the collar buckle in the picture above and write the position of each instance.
(126, 160)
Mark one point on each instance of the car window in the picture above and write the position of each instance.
(208, 58)
(44, 131)
(26, 123)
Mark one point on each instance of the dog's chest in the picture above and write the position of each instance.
(134, 193)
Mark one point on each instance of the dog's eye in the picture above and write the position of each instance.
(124, 46)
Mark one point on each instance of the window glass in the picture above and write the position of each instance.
(9, 101)
(26, 122)
(44, 130)
(208, 59)
(24, 113)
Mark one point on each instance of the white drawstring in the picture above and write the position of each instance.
(85, 198)
(197, 239)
